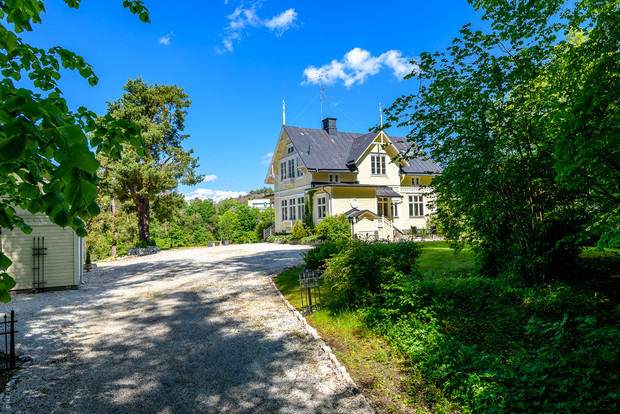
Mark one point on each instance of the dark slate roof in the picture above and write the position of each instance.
(359, 145)
(320, 151)
(387, 192)
(354, 213)
(422, 165)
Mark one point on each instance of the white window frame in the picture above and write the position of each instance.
(300, 208)
(292, 210)
(394, 211)
(284, 205)
(299, 173)
(290, 150)
(416, 205)
(334, 178)
(321, 207)
(282, 170)
(378, 164)
(291, 168)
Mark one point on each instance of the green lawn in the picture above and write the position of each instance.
(388, 381)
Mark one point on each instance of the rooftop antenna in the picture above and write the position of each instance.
(321, 98)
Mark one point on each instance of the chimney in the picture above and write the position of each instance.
(329, 125)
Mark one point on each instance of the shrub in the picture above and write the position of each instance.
(312, 239)
(140, 244)
(334, 228)
(315, 258)
(299, 231)
(360, 271)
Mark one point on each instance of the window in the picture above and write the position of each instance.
(299, 173)
(300, 208)
(290, 150)
(377, 164)
(284, 210)
(415, 180)
(334, 178)
(291, 168)
(382, 206)
(321, 207)
(394, 210)
(282, 171)
(416, 205)
(292, 210)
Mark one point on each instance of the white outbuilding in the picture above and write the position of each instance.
(51, 257)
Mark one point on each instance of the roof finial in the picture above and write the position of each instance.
(380, 115)
(283, 113)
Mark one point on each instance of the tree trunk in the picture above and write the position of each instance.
(144, 217)
(115, 237)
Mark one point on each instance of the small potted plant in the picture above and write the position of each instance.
(87, 262)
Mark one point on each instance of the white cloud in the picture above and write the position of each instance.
(246, 16)
(165, 40)
(266, 159)
(282, 21)
(209, 178)
(215, 195)
(357, 65)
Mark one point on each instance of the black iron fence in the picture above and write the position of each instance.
(8, 331)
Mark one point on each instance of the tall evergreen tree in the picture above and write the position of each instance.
(160, 112)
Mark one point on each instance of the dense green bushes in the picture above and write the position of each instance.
(334, 228)
(359, 271)
(494, 345)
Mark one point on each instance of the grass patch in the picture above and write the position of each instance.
(382, 373)
(439, 258)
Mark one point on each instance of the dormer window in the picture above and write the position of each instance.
(334, 178)
(377, 164)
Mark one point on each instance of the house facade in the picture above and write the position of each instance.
(353, 174)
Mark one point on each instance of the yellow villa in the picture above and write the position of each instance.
(352, 174)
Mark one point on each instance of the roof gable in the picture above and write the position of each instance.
(320, 151)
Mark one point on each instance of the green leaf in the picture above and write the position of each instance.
(5, 262)
(5, 297)
(13, 148)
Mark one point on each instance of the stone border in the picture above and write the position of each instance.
(143, 251)
(351, 386)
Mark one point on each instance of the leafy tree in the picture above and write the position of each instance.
(248, 217)
(145, 177)
(204, 208)
(228, 225)
(264, 190)
(47, 162)
(227, 204)
(502, 111)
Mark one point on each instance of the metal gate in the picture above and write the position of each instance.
(310, 287)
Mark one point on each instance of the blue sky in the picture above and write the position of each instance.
(237, 60)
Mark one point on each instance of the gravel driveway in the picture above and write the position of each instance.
(193, 330)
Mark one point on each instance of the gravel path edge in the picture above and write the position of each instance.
(351, 385)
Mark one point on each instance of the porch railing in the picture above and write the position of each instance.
(269, 231)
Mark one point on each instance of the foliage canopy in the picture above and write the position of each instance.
(47, 151)
(524, 121)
